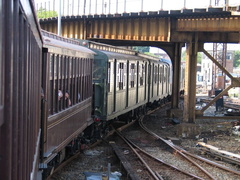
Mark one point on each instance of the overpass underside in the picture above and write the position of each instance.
(169, 32)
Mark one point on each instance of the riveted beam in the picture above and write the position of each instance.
(210, 24)
(139, 29)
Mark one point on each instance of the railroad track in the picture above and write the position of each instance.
(75, 156)
(206, 169)
(140, 164)
(144, 155)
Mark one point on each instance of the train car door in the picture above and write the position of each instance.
(149, 81)
(115, 85)
(44, 104)
(137, 84)
(127, 84)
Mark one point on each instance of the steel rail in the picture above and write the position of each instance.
(179, 152)
(160, 161)
(138, 155)
(184, 152)
(208, 161)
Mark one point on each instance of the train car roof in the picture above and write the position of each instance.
(166, 61)
(116, 51)
(51, 40)
(116, 55)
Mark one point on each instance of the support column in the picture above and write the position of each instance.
(190, 81)
(176, 75)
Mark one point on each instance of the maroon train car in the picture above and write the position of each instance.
(67, 103)
(20, 74)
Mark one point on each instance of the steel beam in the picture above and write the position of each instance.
(176, 75)
(190, 80)
(235, 82)
(207, 24)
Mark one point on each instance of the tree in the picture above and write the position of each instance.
(184, 56)
(236, 62)
(43, 13)
(199, 58)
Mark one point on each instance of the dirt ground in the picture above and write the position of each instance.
(217, 132)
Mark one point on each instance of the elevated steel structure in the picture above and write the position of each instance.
(168, 30)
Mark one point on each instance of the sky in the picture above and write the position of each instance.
(131, 5)
(75, 7)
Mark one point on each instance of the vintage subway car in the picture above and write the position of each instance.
(20, 89)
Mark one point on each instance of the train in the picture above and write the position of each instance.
(86, 86)
(59, 94)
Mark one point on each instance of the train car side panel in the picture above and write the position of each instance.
(68, 108)
(20, 90)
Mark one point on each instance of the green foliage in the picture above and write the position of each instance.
(142, 49)
(199, 58)
(236, 62)
(43, 13)
(184, 56)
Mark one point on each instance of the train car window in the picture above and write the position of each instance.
(121, 73)
(80, 80)
(74, 99)
(65, 81)
(51, 74)
(57, 82)
(117, 75)
(132, 75)
(160, 74)
(77, 80)
(141, 74)
(87, 87)
(61, 79)
(155, 74)
(72, 83)
(165, 75)
(124, 74)
(83, 79)
(109, 75)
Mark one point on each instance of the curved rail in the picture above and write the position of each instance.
(162, 163)
(138, 155)
(186, 154)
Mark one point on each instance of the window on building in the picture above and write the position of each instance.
(228, 56)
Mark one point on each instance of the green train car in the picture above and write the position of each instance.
(126, 83)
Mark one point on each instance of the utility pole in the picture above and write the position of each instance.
(219, 53)
(59, 17)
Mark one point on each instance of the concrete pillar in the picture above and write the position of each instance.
(190, 81)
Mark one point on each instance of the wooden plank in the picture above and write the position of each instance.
(218, 151)
(127, 166)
